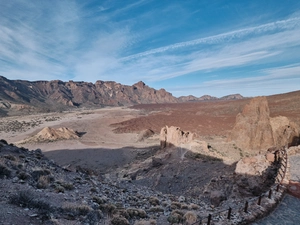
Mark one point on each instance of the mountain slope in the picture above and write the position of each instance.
(110, 93)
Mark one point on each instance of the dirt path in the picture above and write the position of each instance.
(287, 212)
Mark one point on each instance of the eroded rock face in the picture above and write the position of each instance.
(174, 136)
(253, 129)
(284, 132)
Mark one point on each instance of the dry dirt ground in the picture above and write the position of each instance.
(109, 136)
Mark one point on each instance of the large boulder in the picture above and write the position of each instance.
(174, 136)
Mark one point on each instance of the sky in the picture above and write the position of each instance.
(188, 47)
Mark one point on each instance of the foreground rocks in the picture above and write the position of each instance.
(50, 194)
(34, 190)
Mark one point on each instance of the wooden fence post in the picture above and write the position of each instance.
(259, 200)
(270, 193)
(209, 219)
(229, 213)
(246, 207)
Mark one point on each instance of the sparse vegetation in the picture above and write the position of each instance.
(43, 182)
(77, 210)
(4, 171)
(29, 199)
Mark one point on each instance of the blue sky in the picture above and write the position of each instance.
(197, 47)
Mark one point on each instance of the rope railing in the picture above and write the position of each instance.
(253, 203)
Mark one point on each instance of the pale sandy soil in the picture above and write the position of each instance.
(98, 148)
(93, 124)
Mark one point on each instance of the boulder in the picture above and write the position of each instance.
(216, 197)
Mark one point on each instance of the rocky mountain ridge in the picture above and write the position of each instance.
(58, 95)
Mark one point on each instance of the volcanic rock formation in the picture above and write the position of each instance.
(252, 129)
(255, 130)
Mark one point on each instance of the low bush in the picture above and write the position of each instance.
(28, 199)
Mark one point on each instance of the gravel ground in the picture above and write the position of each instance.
(287, 212)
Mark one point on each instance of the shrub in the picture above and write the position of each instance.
(118, 220)
(77, 210)
(145, 222)
(10, 157)
(23, 176)
(108, 208)
(38, 173)
(175, 205)
(175, 217)
(28, 199)
(4, 171)
(156, 209)
(43, 182)
(190, 217)
(154, 201)
(99, 200)
(93, 217)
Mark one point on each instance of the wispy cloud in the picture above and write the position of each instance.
(72, 40)
(225, 37)
(271, 81)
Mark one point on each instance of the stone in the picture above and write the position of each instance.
(216, 197)
(270, 157)
(174, 136)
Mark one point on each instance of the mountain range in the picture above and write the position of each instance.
(56, 94)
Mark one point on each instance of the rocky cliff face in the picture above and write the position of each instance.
(256, 130)
(56, 92)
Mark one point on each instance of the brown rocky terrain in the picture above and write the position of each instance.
(120, 154)
(211, 118)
